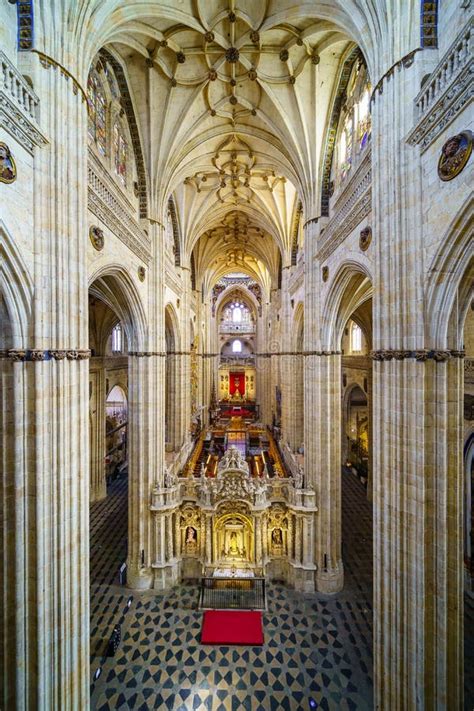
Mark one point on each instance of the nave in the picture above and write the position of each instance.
(315, 646)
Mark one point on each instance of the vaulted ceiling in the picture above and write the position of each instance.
(232, 100)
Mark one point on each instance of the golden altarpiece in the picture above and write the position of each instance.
(234, 525)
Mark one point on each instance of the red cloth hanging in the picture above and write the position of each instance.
(237, 381)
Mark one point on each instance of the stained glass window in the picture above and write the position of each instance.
(114, 90)
(236, 346)
(346, 145)
(97, 112)
(365, 123)
(120, 153)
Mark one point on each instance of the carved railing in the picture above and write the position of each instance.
(17, 89)
(164, 498)
(231, 327)
(237, 360)
(289, 460)
(447, 91)
(351, 207)
(19, 107)
(107, 202)
(457, 57)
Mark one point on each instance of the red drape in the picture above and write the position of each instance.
(237, 380)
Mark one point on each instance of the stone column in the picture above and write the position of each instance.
(298, 541)
(258, 540)
(208, 539)
(97, 436)
(417, 476)
(48, 481)
(322, 428)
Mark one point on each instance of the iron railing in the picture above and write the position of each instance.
(232, 594)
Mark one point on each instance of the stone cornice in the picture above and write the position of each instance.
(403, 63)
(22, 355)
(449, 89)
(421, 355)
(47, 62)
(147, 354)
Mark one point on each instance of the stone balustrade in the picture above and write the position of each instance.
(17, 89)
(454, 61)
(231, 327)
(247, 360)
(447, 91)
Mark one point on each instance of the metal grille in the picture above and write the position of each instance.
(232, 594)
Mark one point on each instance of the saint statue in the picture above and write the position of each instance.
(233, 548)
(191, 535)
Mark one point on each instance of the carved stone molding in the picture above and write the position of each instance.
(365, 238)
(448, 90)
(38, 354)
(96, 236)
(48, 62)
(147, 354)
(110, 206)
(403, 63)
(421, 355)
(352, 206)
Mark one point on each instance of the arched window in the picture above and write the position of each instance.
(120, 153)
(345, 146)
(356, 338)
(97, 106)
(237, 346)
(364, 118)
(117, 339)
(237, 314)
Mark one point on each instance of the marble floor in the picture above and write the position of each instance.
(316, 647)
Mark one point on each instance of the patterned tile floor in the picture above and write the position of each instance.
(316, 646)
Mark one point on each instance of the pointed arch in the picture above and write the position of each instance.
(113, 285)
(351, 287)
(449, 281)
(16, 287)
(127, 105)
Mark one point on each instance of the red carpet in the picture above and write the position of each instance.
(235, 627)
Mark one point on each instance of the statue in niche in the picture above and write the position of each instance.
(277, 538)
(7, 165)
(191, 536)
(454, 155)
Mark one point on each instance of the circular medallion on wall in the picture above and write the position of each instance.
(141, 273)
(7, 165)
(365, 238)
(325, 273)
(96, 237)
(454, 155)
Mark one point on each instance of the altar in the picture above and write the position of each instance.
(232, 573)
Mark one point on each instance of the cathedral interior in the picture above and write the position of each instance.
(237, 354)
